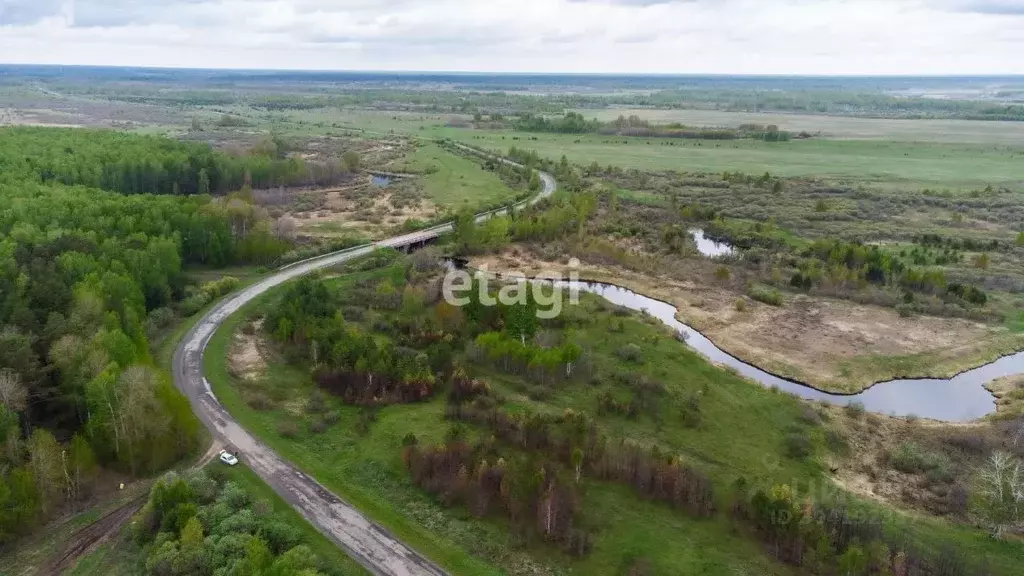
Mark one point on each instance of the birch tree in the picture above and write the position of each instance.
(12, 392)
(1000, 494)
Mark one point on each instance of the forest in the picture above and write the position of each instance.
(132, 164)
(90, 268)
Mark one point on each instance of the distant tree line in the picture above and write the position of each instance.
(133, 164)
(575, 123)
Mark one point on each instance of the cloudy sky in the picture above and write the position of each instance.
(670, 36)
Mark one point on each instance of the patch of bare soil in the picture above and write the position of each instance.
(360, 208)
(829, 343)
(246, 359)
(53, 118)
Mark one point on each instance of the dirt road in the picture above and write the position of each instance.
(92, 536)
(365, 541)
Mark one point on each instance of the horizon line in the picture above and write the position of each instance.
(511, 73)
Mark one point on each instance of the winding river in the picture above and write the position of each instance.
(957, 399)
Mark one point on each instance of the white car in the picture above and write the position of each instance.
(228, 458)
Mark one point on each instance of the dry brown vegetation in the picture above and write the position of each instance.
(912, 463)
(1009, 393)
(359, 208)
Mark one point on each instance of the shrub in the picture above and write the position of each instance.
(159, 319)
(257, 400)
(913, 459)
(765, 294)
(798, 445)
(854, 409)
(242, 522)
(233, 496)
(317, 402)
(836, 442)
(317, 427)
(741, 305)
(332, 417)
(969, 442)
(809, 415)
(957, 500)
(193, 304)
(630, 353)
(366, 419)
(691, 418)
(288, 429)
(218, 288)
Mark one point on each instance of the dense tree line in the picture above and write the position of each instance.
(134, 164)
(575, 123)
(85, 276)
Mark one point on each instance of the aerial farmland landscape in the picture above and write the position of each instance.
(377, 319)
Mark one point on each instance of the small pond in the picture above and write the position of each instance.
(709, 247)
(959, 398)
(380, 181)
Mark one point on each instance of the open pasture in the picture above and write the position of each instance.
(909, 130)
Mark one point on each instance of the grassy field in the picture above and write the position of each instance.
(118, 557)
(962, 131)
(868, 162)
(909, 154)
(742, 433)
(452, 181)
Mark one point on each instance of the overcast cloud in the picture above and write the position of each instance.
(670, 36)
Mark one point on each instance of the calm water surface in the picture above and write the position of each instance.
(709, 247)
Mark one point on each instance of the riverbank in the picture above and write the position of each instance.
(1009, 393)
(833, 345)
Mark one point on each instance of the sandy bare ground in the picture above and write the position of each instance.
(341, 216)
(829, 343)
(52, 118)
(246, 359)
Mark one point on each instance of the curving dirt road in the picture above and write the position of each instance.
(365, 541)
